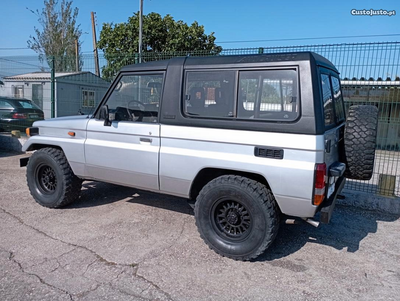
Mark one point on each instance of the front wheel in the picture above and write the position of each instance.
(51, 180)
(237, 217)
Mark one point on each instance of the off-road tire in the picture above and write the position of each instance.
(237, 202)
(360, 141)
(50, 178)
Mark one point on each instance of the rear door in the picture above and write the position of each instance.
(334, 116)
(127, 151)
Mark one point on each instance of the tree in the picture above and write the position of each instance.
(161, 35)
(58, 36)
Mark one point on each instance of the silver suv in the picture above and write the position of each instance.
(247, 139)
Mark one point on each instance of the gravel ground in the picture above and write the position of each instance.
(119, 243)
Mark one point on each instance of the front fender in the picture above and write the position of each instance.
(72, 147)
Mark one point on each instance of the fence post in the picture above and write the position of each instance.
(53, 86)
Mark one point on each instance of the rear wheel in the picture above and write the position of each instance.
(51, 180)
(360, 141)
(237, 217)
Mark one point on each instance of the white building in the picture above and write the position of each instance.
(74, 91)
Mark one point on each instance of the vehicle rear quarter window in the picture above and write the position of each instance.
(209, 93)
(268, 95)
(329, 113)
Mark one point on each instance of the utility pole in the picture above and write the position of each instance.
(96, 56)
(76, 56)
(140, 30)
(53, 87)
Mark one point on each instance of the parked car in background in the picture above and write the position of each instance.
(18, 114)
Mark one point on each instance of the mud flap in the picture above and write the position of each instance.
(329, 205)
(23, 161)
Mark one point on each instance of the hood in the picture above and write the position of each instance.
(68, 122)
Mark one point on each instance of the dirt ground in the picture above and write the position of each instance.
(119, 243)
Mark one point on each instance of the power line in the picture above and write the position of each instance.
(303, 39)
(22, 63)
(273, 40)
(15, 48)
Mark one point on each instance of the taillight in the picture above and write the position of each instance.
(19, 116)
(320, 178)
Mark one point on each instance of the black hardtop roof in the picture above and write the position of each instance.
(192, 61)
(155, 65)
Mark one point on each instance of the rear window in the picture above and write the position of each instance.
(28, 105)
(337, 99)
(332, 99)
(329, 114)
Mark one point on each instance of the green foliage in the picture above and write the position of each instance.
(58, 35)
(160, 36)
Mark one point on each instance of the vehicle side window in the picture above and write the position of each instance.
(338, 99)
(268, 94)
(136, 98)
(209, 94)
(327, 100)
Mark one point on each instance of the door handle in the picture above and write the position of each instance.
(148, 140)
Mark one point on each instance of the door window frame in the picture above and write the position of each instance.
(116, 81)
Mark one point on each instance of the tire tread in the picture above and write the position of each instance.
(72, 184)
(262, 194)
(360, 141)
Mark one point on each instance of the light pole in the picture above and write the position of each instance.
(140, 29)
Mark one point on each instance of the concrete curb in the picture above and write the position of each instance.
(370, 201)
(7, 142)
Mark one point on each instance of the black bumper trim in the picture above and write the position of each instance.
(23, 161)
(328, 206)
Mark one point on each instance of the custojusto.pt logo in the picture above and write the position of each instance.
(373, 12)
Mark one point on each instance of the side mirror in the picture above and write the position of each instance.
(104, 114)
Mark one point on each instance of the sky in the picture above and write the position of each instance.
(234, 22)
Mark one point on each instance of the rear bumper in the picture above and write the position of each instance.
(329, 204)
(16, 124)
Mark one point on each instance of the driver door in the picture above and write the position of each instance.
(125, 150)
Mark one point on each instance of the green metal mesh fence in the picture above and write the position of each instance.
(369, 75)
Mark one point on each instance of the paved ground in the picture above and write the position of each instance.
(119, 243)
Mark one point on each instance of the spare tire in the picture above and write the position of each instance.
(360, 141)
